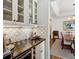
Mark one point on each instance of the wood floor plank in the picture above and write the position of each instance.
(55, 57)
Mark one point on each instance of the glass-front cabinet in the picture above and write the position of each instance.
(13, 10)
(7, 10)
(20, 11)
(30, 11)
(33, 11)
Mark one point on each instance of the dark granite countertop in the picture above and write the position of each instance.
(6, 53)
(24, 45)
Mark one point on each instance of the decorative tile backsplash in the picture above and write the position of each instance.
(41, 31)
(17, 34)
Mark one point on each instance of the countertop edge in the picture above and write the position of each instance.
(42, 39)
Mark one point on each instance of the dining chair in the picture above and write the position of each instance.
(55, 35)
(73, 46)
(66, 41)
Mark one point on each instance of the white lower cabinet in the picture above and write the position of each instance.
(40, 51)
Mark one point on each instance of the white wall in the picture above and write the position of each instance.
(57, 24)
(42, 12)
(43, 18)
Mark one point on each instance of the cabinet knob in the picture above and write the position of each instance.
(14, 20)
(41, 51)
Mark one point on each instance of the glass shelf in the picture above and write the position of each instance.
(7, 10)
(20, 14)
(20, 7)
(21, 3)
(7, 5)
(10, 1)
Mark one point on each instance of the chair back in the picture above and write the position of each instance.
(55, 34)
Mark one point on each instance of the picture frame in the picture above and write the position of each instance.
(69, 25)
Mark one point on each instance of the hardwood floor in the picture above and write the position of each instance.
(55, 57)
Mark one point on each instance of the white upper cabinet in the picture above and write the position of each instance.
(7, 10)
(20, 11)
(13, 10)
(33, 11)
(25, 12)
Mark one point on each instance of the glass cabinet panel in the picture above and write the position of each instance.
(7, 10)
(35, 9)
(20, 11)
(30, 11)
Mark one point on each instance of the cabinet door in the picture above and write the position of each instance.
(38, 56)
(35, 12)
(20, 11)
(40, 51)
(7, 10)
(14, 10)
(32, 11)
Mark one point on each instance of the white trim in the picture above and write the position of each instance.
(14, 9)
(49, 29)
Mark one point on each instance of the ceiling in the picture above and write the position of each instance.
(62, 7)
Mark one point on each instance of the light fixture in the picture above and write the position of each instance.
(73, 17)
(69, 18)
(73, 4)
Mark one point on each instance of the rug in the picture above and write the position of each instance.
(57, 51)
